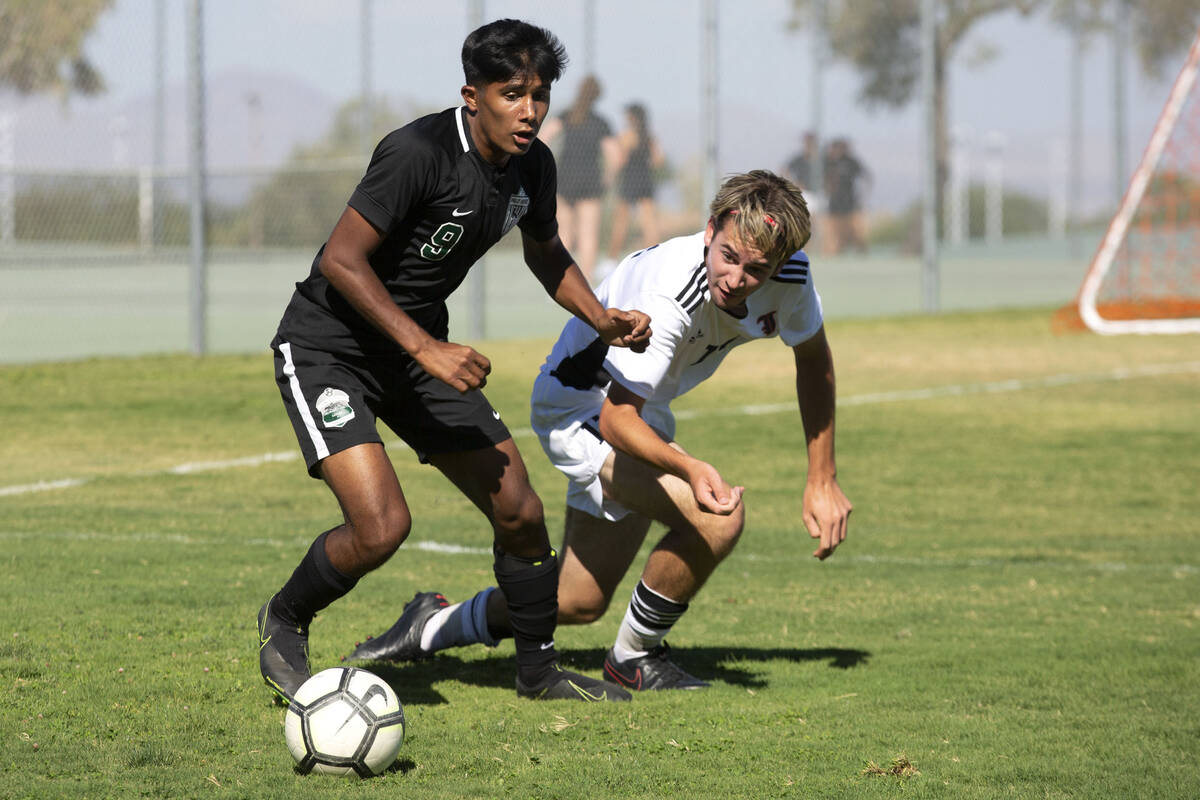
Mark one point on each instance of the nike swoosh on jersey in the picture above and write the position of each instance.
(457, 213)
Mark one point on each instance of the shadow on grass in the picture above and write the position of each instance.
(737, 666)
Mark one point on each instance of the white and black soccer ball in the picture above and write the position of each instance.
(344, 721)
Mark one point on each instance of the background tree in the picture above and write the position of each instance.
(41, 45)
(301, 201)
(881, 39)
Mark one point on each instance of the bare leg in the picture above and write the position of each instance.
(566, 223)
(587, 236)
(620, 229)
(695, 542)
(526, 568)
(377, 519)
(495, 480)
(648, 221)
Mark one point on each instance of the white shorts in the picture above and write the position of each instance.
(566, 422)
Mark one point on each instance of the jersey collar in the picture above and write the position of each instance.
(468, 144)
(464, 132)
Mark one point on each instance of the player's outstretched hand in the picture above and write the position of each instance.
(711, 491)
(826, 515)
(624, 329)
(458, 365)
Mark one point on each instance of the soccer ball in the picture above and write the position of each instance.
(344, 721)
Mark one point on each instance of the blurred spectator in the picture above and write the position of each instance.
(800, 170)
(844, 175)
(638, 155)
(587, 143)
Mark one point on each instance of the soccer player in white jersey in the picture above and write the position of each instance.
(603, 416)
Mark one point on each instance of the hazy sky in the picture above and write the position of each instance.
(649, 50)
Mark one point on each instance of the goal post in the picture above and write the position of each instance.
(1145, 276)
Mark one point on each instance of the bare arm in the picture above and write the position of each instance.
(611, 151)
(345, 264)
(622, 426)
(550, 130)
(656, 154)
(826, 508)
(564, 281)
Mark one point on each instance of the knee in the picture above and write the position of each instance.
(379, 534)
(520, 522)
(576, 609)
(723, 532)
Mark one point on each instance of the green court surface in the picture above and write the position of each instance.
(59, 305)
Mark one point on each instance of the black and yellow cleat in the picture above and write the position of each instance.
(559, 684)
(282, 653)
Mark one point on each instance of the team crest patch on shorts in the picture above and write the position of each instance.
(334, 406)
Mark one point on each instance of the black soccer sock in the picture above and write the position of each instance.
(314, 584)
(530, 586)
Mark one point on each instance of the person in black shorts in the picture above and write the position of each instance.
(587, 145)
(637, 157)
(365, 337)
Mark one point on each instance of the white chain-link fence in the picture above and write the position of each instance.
(94, 190)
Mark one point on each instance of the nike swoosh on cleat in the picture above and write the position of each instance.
(585, 694)
(634, 683)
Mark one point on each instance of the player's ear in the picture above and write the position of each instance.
(470, 97)
(710, 231)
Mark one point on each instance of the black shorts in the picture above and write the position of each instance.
(333, 402)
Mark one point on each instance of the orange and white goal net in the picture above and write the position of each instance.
(1145, 276)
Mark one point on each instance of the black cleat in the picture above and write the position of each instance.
(562, 685)
(655, 670)
(402, 641)
(282, 653)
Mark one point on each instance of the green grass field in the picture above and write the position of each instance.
(1015, 614)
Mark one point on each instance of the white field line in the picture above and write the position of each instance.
(188, 539)
(952, 390)
(42, 486)
(298, 543)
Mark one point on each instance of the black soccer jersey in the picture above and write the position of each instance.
(440, 206)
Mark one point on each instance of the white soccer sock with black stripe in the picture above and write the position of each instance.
(460, 624)
(647, 622)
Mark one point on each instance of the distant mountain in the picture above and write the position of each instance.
(255, 119)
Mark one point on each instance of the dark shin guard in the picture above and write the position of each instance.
(314, 584)
(531, 588)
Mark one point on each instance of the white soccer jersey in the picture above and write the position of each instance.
(691, 337)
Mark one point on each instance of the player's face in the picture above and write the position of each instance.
(506, 115)
(735, 270)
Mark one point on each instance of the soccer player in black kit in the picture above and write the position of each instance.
(365, 337)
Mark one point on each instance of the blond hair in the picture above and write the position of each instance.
(767, 212)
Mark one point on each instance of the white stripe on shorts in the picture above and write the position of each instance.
(310, 425)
